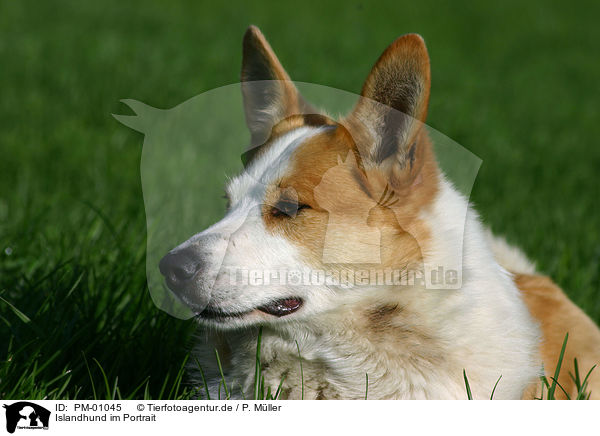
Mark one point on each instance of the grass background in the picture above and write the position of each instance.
(516, 83)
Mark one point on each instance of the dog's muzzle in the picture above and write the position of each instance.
(181, 269)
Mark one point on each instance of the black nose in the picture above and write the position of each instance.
(180, 267)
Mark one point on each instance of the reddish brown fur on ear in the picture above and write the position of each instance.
(387, 121)
(259, 59)
(269, 95)
(401, 77)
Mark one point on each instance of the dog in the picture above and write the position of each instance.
(374, 174)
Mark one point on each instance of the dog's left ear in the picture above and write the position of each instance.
(387, 121)
(269, 95)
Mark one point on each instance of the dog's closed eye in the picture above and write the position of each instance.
(287, 209)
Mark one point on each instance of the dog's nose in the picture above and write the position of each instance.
(180, 267)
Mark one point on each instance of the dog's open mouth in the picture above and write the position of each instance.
(283, 307)
(278, 308)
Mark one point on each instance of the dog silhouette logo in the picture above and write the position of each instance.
(26, 415)
(340, 245)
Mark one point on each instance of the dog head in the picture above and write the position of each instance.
(316, 195)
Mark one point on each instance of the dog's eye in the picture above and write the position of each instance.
(287, 209)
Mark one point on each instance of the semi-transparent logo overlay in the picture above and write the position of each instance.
(191, 151)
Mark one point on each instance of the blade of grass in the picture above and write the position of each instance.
(581, 392)
(17, 312)
(177, 383)
(105, 378)
(91, 378)
(257, 369)
(469, 395)
(203, 378)
(138, 387)
(163, 387)
(147, 390)
(278, 391)
(552, 388)
(115, 388)
(222, 376)
(494, 390)
(561, 388)
(301, 370)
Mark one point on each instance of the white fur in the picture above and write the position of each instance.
(509, 256)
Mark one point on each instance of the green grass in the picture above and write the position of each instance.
(548, 388)
(512, 82)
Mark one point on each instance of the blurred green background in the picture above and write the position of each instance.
(514, 82)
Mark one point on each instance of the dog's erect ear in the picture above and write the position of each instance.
(388, 119)
(269, 95)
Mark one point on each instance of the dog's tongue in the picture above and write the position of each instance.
(282, 307)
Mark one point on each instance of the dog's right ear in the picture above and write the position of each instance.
(269, 95)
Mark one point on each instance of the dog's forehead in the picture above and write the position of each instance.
(270, 166)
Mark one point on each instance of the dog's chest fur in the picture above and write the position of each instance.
(391, 358)
(343, 364)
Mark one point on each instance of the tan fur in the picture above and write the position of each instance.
(354, 195)
(558, 316)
